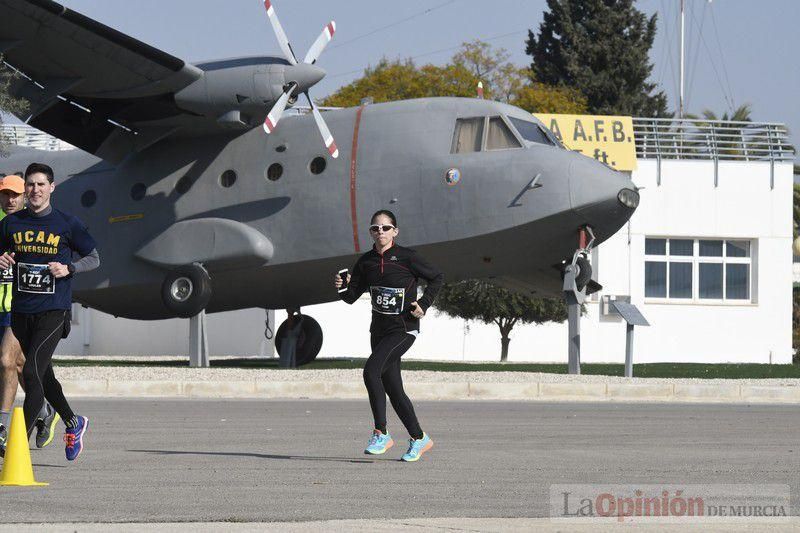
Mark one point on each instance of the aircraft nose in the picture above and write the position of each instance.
(603, 198)
(304, 75)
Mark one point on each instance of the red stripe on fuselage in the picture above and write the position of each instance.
(353, 173)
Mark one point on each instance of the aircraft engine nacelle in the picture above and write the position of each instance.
(241, 91)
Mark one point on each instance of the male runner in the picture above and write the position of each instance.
(43, 240)
(12, 188)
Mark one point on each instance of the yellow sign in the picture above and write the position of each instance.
(606, 138)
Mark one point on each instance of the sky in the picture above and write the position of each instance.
(737, 51)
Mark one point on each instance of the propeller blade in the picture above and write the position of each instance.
(271, 122)
(320, 44)
(327, 138)
(279, 33)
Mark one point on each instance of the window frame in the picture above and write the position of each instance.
(485, 135)
(696, 260)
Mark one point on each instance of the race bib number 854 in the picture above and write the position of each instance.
(387, 300)
(35, 278)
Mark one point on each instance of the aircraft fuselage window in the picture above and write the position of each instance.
(500, 136)
(227, 178)
(88, 198)
(317, 165)
(274, 172)
(531, 131)
(468, 135)
(138, 191)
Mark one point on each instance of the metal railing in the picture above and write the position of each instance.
(28, 136)
(658, 138)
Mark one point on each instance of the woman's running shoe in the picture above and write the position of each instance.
(379, 443)
(74, 438)
(416, 447)
(45, 427)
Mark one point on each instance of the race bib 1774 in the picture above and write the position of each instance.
(35, 278)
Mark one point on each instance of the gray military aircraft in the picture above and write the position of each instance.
(196, 208)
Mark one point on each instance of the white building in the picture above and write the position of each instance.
(707, 258)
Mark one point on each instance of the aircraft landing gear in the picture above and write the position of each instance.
(578, 284)
(298, 339)
(186, 290)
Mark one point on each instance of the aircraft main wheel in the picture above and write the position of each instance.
(186, 290)
(309, 337)
(584, 272)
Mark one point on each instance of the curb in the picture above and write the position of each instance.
(533, 391)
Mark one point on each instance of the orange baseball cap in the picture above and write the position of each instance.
(12, 183)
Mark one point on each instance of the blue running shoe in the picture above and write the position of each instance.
(416, 447)
(74, 438)
(379, 443)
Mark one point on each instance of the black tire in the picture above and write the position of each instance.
(309, 341)
(186, 290)
(584, 272)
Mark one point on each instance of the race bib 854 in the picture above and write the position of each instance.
(387, 300)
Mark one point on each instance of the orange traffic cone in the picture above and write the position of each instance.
(17, 467)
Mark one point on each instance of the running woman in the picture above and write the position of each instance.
(12, 189)
(390, 273)
(43, 241)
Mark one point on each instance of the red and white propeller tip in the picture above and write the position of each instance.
(320, 44)
(283, 41)
(302, 75)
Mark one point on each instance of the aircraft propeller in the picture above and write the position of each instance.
(306, 73)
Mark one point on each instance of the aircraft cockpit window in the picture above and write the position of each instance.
(531, 131)
(500, 136)
(468, 135)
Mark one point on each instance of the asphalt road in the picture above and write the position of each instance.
(257, 461)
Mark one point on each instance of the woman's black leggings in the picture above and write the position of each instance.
(38, 336)
(382, 377)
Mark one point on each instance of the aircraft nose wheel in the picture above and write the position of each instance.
(186, 290)
(298, 340)
(584, 272)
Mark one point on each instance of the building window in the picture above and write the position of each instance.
(698, 270)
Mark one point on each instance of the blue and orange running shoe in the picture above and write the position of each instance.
(416, 447)
(74, 438)
(379, 443)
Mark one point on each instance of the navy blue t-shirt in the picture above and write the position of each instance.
(37, 241)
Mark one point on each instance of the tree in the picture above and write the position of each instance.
(475, 61)
(601, 48)
(480, 300)
(709, 124)
(8, 103)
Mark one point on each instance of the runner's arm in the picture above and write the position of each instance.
(357, 284)
(87, 262)
(435, 278)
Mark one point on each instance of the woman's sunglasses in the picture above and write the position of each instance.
(375, 228)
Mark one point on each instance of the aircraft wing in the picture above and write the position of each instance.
(90, 85)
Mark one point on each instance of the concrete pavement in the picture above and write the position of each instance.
(244, 461)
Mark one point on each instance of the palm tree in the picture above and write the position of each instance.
(711, 132)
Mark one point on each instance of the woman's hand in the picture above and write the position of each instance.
(338, 282)
(416, 310)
